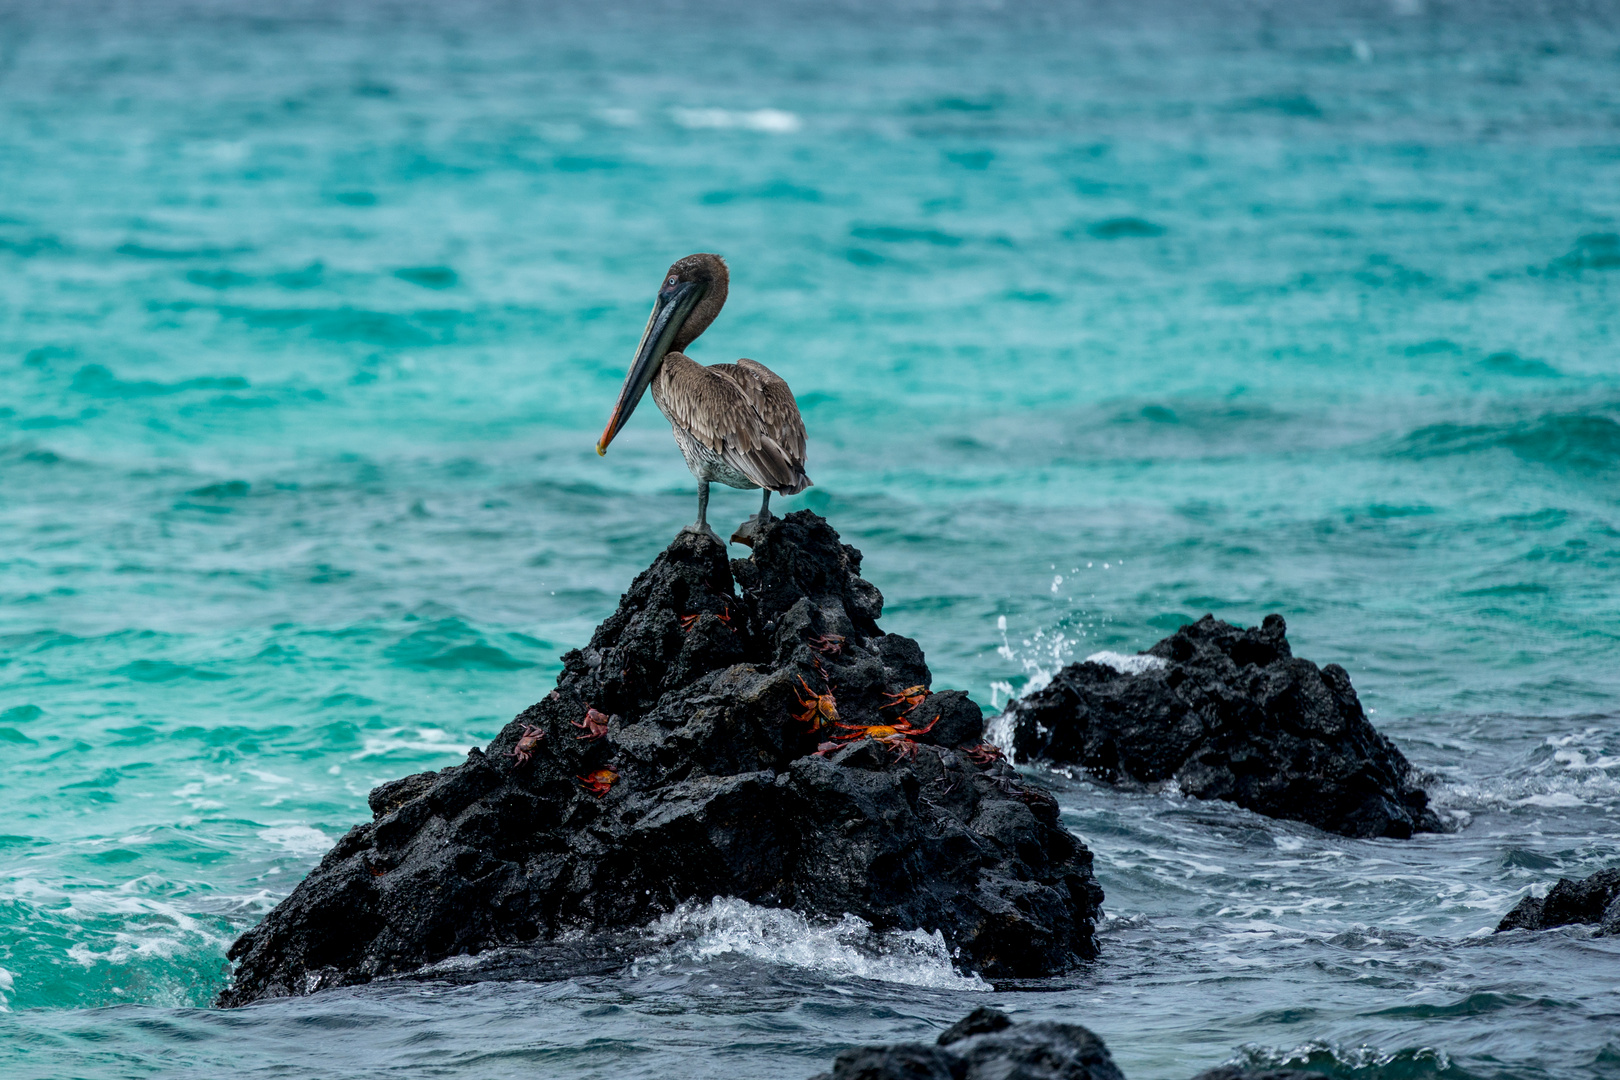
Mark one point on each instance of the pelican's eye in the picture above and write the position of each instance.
(672, 280)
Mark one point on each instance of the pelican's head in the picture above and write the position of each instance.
(689, 299)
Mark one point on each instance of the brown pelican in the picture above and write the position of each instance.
(735, 423)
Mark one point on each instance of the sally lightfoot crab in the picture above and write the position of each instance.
(827, 644)
(819, 709)
(896, 736)
(595, 725)
(910, 697)
(599, 782)
(689, 621)
(527, 744)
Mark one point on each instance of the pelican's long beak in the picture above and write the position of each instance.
(669, 312)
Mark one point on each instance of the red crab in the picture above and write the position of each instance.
(819, 709)
(826, 748)
(984, 753)
(910, 697)
(689, 621)
(527, 744)
(599, 782)
(594, 725)
(827, 644)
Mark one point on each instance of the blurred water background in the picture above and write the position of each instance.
(1101, 316)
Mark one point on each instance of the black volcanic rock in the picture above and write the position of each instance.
(1593, 900)
(987, 1045)
(713, 783)
(1229, 713)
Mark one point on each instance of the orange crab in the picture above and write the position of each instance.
(896, 736)
(910, 697)
(527, 744)
(599, 782)
(594, 725)
(689, 621)
(819, 709)
(827, 644)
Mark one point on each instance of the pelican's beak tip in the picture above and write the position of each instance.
(601, 451)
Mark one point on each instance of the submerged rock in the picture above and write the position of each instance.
(1594, 900)
(705, 743)
(987, 1045)
(1232, 714)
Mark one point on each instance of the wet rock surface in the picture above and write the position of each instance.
(1594, 901)
(1229, 713)
(711, 740)
(987, 1045)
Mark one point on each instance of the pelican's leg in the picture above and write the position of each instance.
(701, 525)
(765, 507)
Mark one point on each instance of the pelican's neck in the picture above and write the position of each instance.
(707, 308)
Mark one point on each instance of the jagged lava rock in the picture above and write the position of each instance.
(1593, 900)
(1230, 713)
(987, 1045)
(713, 782)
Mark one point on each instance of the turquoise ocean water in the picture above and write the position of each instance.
(1101, 316)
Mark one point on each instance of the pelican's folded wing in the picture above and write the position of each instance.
(710, 404)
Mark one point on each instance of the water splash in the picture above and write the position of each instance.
(848, 948)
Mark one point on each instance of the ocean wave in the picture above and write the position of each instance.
(1580, 441)
(848, 948)
(85, 945)
(1576, 769)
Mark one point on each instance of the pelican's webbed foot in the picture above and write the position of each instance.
(701, 528)
(749, 530)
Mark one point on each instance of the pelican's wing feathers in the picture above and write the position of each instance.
(771, 398)
(728, 407)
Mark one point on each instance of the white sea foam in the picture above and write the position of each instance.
(1580, 769)
(426, 740)
(774, 121)
(297, 839)
(848, 948)
(1131, 664)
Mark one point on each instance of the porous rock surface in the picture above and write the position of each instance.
(1594, 900)
(987, 1045)
(719, 789)
(1229, 713)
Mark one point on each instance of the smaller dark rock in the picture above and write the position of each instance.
(1594, 900)
(980, 1021)
(904, 1061)
(1230, 713)
(987, 1045)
